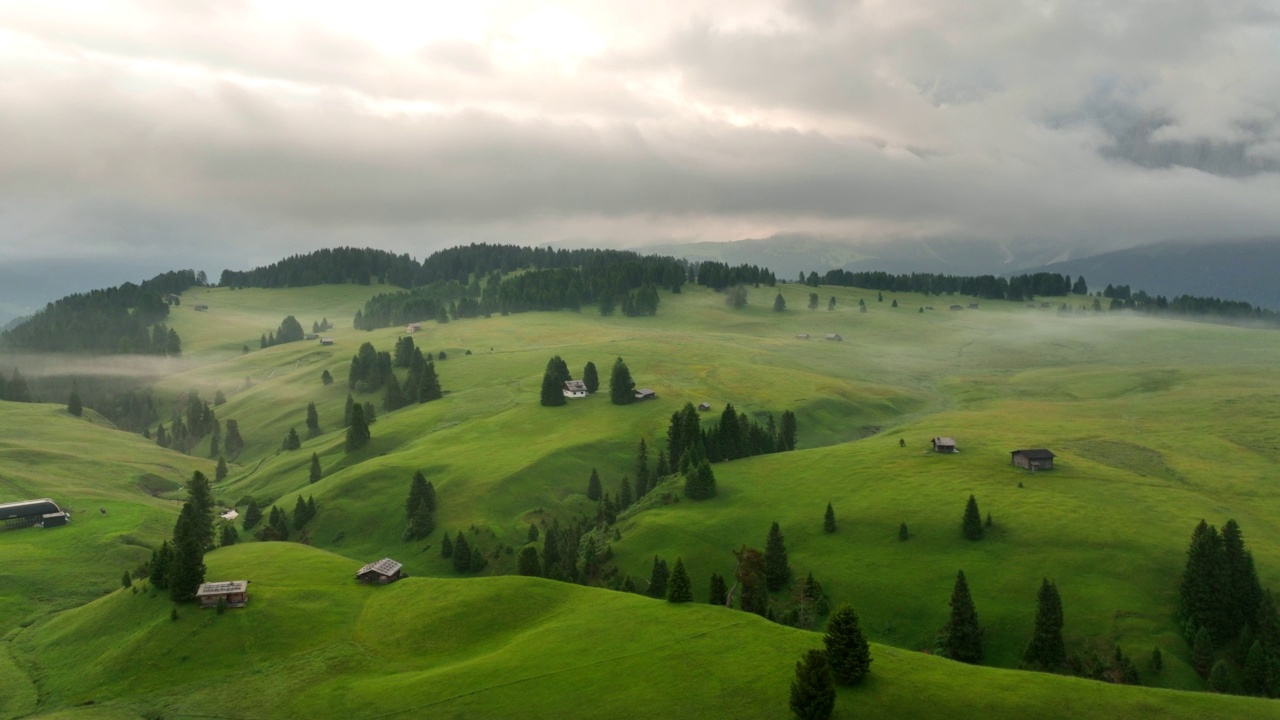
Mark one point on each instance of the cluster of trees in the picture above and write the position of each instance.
(420, 508)
(845, 659)
(573, 552)
(290, 330)
(735, 436)
(1222, 606)
(466, 559)
(553, 380)
(990, 287)
(196, 420)
(125, 319)
(719, 276)
(372, 371)
(15, 389)
(178, 564)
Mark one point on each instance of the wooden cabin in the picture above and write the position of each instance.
(646, 394)
(326, 341)
(1033, 459)
(704, 407)
(834, 336)
(944, 445)
(381, 572)
(234, 592)
(802, 336)
(575, 389)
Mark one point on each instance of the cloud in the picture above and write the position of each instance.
(263, 128)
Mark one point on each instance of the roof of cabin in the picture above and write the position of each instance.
(28, 508)
(385, 566)
(222, 588)
(1034, 454)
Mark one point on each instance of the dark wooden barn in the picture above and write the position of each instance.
(944, 445)
(1033, 459)
(42, 512)
(381, 572)
(234, 592)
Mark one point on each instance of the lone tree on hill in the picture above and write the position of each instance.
(962, 636)
(813, 696)
(292, 441)
(972, 520)
(679, 589)
(186, 569)
(313, 420)
(847, 650)
(326, 377)
(829, 520)
(813, 301)
(358, 430)
(220, 472)
(590, 377)
(1046, 651)
(200, 495)
(779, 303)
(777, 571)
(315, 473)
(736, 296)
(622, 389)
(74, 406)
(716, 591)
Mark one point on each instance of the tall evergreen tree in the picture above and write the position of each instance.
(200, 496)
(1241, 590)
(829, 520)
(1253, 674)
(220, 472)
(787, 432)
(314, 473)
(252, 515)
(313, 420)
(1202, 651)
(550, 551)
(591, 377)
(292, 441)
(326, 377)
(533, 533)
(1202, 594)
(972, 525)
(643, 477)
(700, 483)
(446, 546)
(358, 432)
(624, 494)
(74, 406)
(1047, 651)
(461, 553)
(346, 413)
(593, 486)
(813, 696)
(1220, 677)
(158, 568)
(429, 385)
(777, 571)
(717, 592)
(658, 578)
(393, 397)
(622, 389)
(233, 444)
(229, 535)
(679, 590)
(552, 386)
(186, 569)
(300, 515)
(962, 636)
(847, 650)
(527, 563)
(779, 303)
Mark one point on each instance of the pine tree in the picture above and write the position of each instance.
(642, 465)
(622, 389)
(346, 413)
(813, 696)
(1202, 651)
(233, 444)
(1157, 660)
(527, 563)
(552, 387)
(829, 520)
(533, 533)
(962, 636)
(779, 304)
(972, 525)
(358, 432)
(292, 441)
(591, 377)
(158, 568)
(1046, 651)
(313, 420)
(658, 578)
(429, 385)
(717, 591)
(315, 472)
(777, 571)
(679, 589)
(220, 472)
(446, 546)
(593, 486)
(1220, 677)
(478, 562)
(125, 580)
(186, 569)
(700, 484)
(74, 406)
(1202, 600)
(300, 513)
(229, 536)
(252, 515)
(624, 494)
(550, 551)
(200, 495)
(326, 378)
(847, 650)
(1254, 673)
(461, 553)
(787, 432)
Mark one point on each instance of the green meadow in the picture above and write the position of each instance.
(1155, 423)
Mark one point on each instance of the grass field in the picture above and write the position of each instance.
(1156, 424)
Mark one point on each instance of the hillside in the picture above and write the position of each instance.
(312, 643)
(1231, 270)
(1156, 424)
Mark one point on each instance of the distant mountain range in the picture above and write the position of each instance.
(1229, 269)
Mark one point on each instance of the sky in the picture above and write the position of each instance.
(235, 132)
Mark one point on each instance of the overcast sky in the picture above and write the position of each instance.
(237, 131)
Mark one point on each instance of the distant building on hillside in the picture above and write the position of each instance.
(381, 572)
(646, 394)
(311, 336)
(42, 512)
(834, 336)
(802, 336)
(944, 445)
(234, 592)
(704, 407)
(231, 514)
(1033, 459)
(413, 327)
(326, 341)
(957, 307)
(201, 307)
(575, 389)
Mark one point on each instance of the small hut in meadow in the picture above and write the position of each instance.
(944, 445)
(1033, 459)
(381, 572)
(234, 592)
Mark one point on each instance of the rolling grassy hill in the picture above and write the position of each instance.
(1156, 424)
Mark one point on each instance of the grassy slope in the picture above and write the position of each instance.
(312, 643)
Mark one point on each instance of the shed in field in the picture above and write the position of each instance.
(944, 445)
(834, 336)
(802, 336)
(646, 394)
(235, 592)
(326, 341)
(382, 572)
(1033, 459)
(575, 389)
(704, 407)
(42, 512)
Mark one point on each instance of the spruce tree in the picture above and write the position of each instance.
(429, 385)
(233, 444)
(315, 472)
(847, 650)
(358, 432)
(1157, 660)
(446, 546)
(1220, 677)
(125, 580)
(1202, 594)
(777, 571)
(1202, 651)
(300, 513)
(478, 562)
(591, 377)
(1253, 674)
(700, 483)
(972, 525)
(658, 578)
(1046, 651)
(593, 486)
(527, 563)
(717, 592)
(829, 520)
(200, 495)
(552, 387)
(624, 494)
(622, 389)
(220, 472)
(346, 413)
(533, 533)
(326, 378)
(779, 304)
(461, 553)
(813, 696)
(642, 465)
(679, 589)
(158, 568)
(252, 515)
(74, 406)
(962, 636)
(292, 441)
(313, 420)
(229, 535)
(550, 551)
(186, 569)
